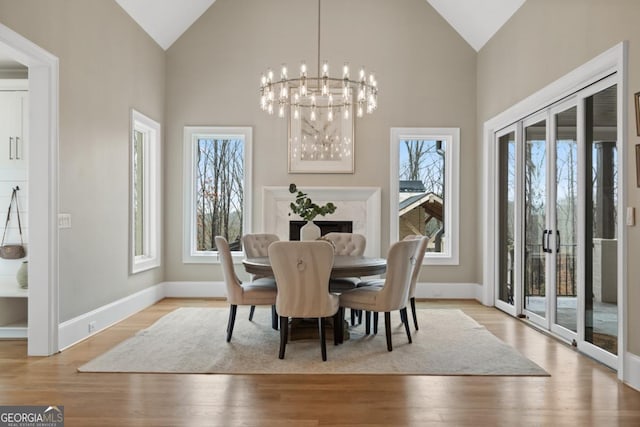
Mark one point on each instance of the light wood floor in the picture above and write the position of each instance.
(579, 392)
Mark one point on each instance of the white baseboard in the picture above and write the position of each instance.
(195, 290)
(78, 328)
(449, 291)
(632, 370)
(423, 290)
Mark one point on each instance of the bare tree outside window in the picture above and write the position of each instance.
(219, 191)
(423, 162)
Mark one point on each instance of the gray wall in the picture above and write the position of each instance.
(545, 40)
(108, 65)
(426, 74)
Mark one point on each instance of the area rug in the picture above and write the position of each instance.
(192, 340)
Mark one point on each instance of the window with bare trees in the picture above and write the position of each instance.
(145, 193)
(424, 186)
(216, 183)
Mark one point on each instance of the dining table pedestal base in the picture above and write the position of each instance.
(306, 329)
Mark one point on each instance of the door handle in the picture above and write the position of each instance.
(10, 144)
(17, 141)
(558, 241)
(546, 234)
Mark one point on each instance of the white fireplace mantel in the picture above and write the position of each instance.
(361, 205)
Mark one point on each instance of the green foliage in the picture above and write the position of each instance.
(304, 207)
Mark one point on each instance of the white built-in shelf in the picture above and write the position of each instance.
(9, 288)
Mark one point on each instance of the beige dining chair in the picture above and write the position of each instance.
(351, 244)
(346, 244)
(258, 292)
(388, 294)
(255, 245)
(417, 266)
(302, 271)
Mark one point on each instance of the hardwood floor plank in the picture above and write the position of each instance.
(579, 391)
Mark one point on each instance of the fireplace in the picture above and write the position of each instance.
(358, 205)
(325, 227)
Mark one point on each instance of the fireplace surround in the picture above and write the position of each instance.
(360, 205)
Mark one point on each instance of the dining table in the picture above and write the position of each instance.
(343, 266)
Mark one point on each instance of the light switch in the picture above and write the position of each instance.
(631, 216)
(64, 220)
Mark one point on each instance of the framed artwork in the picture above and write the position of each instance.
(637, 103)
(321, 145)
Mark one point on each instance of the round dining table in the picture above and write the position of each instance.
(343, 266)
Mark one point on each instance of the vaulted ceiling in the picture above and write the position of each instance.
(475, 20)
(166, 20)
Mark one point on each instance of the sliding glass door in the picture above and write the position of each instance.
(565, 222)
(536, 230)
(600, 228)
(507, 194)
(557, 223)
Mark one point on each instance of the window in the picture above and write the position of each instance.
(425, 185)
(217, 189)
(145, 193)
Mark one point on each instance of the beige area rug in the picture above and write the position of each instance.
(192, 340)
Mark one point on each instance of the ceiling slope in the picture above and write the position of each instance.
(476, 20)
(165, 20)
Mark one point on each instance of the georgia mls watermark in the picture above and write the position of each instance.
(31, 416)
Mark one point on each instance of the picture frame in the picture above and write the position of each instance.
(636, 97)
(638, 165)
(321, 145)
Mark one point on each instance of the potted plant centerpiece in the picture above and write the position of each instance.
(308, 210)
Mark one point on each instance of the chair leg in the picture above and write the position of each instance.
(284, 332)
(274, 317)
(232, 320)
(356, 317)
(323, 342)
(253, 308)
(367, 322)
(340, 328)
(413, 311)
(336, 329)
(405, 320)
(387, 328)
(375, 322)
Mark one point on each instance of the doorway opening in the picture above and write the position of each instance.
(43, 196)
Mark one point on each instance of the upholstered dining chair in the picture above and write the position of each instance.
(351, 244)
(346, 244)
(302, 271)
(258, 292)
(255, 245)
(388, 294)
(417, 266)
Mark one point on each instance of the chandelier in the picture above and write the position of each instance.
(335, 94)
